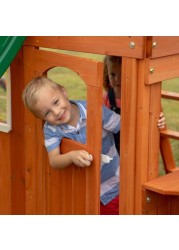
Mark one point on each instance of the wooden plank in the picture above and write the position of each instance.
(152, 201)
(79, 196)
(154, 134)
(170, 134)
(76, 64)
(167, 184)
(170, 95)
(175, 206)
(5, 174)
(55, 190)
(91, 72)
(128, 135)
(142, 136)
(109, 45)
(164, 45)
(67, 184)
(39, 171)
(94, 143)
(164, 209)
(33, 149)
(167, 155)
(17, 137)
(160, 69)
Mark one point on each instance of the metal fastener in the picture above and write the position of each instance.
(151, 70)
(154, 44)
(148, 199)
(132, 45)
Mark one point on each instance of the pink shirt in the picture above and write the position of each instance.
(106, 101)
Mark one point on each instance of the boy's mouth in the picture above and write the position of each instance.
(62, 117)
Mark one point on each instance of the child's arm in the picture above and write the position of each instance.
(161, 121)
(81, 158)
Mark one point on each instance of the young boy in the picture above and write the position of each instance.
(48, 100)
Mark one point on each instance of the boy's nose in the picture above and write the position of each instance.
(55, 111)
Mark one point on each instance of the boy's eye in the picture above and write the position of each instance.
(56, 102)
(47, 113)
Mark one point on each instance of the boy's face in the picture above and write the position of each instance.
(53, 106)
(114, 72)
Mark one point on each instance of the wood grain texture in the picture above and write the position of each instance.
(109, 45)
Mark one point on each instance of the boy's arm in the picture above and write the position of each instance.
(81, 158)
(111, 120)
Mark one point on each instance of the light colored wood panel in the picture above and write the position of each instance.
(110, 45)
(128, 135)
(160, 69)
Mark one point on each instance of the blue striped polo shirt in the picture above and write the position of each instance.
(110, 124)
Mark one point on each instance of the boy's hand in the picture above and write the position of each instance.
(82, 158)
(161, 121)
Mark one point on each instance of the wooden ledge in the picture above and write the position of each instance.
(170, 134)
(167, 184)
(170, 95)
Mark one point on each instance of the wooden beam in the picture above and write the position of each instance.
(129, 46)
(170, 95)
(170, 134)
(163, 46)
(160, 69)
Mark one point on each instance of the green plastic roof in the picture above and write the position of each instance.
(9, 47)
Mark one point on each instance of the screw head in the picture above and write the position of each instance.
(151, 70)
(148, 199)
(132, 45)
(154, 44)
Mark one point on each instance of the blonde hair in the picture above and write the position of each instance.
(107, 61)
(31, 91)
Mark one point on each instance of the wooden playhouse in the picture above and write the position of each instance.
(28, 185)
